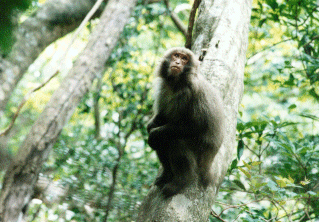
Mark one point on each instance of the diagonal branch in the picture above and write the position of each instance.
(53, 20)
(189, 35)
(22, 174)
(179, 24)
(26, 97)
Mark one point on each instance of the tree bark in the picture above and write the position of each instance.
(221, 28)
(22, 174)
(53, 20)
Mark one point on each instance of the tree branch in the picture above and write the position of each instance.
(179, 24)
(312, 39)
(192, 15)
(22, 174)
(268, 47)
(27, 96)
(53, 20)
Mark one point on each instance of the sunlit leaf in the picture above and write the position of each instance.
(305, 182)
(247, 174)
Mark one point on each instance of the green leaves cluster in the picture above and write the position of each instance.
(291, 28)
(275, 171)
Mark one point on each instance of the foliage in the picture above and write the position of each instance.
(280, 172)
(291, 27)
(275, 174)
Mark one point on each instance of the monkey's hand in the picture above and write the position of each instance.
(157, 138)
(155, 122)
(151, 125)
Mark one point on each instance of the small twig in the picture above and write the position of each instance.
(26, 97)
(146, 2)
(312, 39)
(179, 24)
(236, 217)
(275, 203)
(24, 100)
(217, 216)
(82, 25)
(237, 206)
(269, 47)
(250, 149)
(189, 35)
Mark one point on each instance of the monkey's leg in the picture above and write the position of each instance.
(183, 166)
(205, 166)
(167, 174)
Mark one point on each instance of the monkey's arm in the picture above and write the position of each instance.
(156, 121)
(168, 132)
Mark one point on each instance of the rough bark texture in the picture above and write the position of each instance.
(53, 20)
(222, 28)
(22, 174)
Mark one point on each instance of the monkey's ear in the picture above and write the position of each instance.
(202, 55)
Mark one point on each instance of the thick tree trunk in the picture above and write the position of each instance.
(22, 174)
(221, 28)
(53, 20)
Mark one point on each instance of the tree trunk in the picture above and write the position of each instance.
(53, 20)
(221, 28)
(22, 174)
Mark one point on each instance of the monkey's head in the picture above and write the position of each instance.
(177, 64)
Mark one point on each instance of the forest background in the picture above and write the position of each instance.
(101, 164)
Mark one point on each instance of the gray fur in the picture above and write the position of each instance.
(187, 128)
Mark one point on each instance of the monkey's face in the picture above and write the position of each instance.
(177, 63)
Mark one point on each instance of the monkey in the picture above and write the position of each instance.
(188, 125)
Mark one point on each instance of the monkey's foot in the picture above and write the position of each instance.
(162, 180)
(172, 189)
(206, 179)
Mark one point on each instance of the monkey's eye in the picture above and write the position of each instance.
(185, 58)
(176, 55)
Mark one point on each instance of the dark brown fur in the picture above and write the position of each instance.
(187, 128)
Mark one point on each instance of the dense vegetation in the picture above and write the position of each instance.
(102, 162)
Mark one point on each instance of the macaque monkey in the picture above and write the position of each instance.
(187, 128)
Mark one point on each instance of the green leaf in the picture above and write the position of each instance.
(258, 185)
(240, 184)
(273, 4)
(262, 21)
(311, 193)
(240, 149)
(234, 164)
(281, 183)
(247, 165)
(293, 106)
(247, 174)
(272, 186)
(256, 163)
(305, 182)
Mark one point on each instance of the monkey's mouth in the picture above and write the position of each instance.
(175, 69)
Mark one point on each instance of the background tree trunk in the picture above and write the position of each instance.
(22, 174)
(222, 28)
(53, 20)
